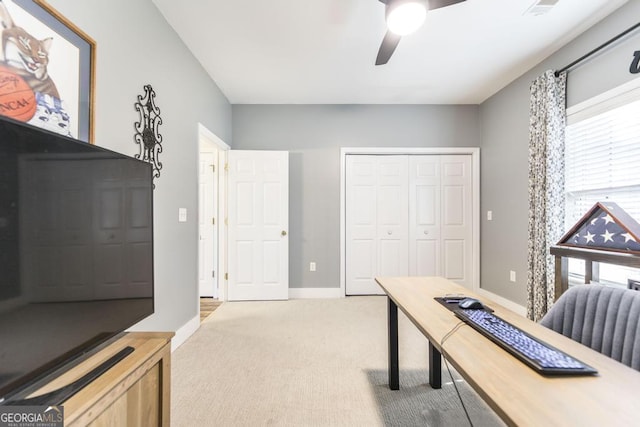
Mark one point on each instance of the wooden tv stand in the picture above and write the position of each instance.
(134, 392)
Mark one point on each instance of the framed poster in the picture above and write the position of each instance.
(46, 69)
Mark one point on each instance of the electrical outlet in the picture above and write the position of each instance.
(312, 266)
(512, 276)
(182, 215)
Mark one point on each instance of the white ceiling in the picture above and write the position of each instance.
(323, 51)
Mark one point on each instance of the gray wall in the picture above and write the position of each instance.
(136, 46)
(313, 134)
(505, 135)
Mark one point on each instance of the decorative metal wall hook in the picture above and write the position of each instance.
(147, 135)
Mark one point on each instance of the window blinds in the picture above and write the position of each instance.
(602, 162)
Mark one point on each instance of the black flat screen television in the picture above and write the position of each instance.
(76, 250)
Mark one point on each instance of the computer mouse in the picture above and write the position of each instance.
(470, 303)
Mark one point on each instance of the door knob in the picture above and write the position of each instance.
(283, 233)
(426, 232)
(389, 232)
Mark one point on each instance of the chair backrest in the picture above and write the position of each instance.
(603, 318)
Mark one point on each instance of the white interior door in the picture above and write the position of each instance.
(376, 221)
(212, 211)
(207, 274)
(258, 216)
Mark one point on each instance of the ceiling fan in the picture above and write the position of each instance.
(404, 17)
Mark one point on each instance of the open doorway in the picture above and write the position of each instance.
(212, 211)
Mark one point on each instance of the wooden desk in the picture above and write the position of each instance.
(517, 393)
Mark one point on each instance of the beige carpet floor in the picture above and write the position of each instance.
(311, 363)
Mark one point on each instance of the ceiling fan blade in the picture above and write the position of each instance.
(388, 46)
(437, 4)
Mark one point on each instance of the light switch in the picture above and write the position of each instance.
(489, 215)
(182, 215)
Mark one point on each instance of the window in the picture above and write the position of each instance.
(602, 163)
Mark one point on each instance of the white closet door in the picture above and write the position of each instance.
(392, 208)
(457, 219)
(361, 224)
(440, 217)
(424, 216)
(376, 223)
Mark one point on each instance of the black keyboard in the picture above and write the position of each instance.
(540, 356)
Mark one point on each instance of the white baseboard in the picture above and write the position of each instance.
(185, 332)
(517, 308)
(315, 293)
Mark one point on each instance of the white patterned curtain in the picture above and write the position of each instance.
(547, 123)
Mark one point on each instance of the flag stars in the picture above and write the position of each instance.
(607, 219)
(589, 237)
(608, 237)
(628, 237)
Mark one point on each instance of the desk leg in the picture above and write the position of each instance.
(435, 367)
(392, 315)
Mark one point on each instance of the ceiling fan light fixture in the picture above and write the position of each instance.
(405, 17)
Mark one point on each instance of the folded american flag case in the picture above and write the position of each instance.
(606, 226)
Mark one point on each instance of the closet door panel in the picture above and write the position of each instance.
(361, 223)
(456, 227)
(376, 221)
(454, 259)
(363, 249)
(424, 215)
(363, 264)
(426, 252)
(392, 216)
(453, 205)
(426, 205)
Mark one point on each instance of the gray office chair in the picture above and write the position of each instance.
(605, 319)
